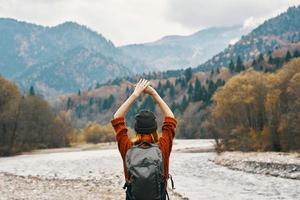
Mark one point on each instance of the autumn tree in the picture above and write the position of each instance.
(9, 114)
(258, 111)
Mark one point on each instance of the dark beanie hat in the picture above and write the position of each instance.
(145, 122)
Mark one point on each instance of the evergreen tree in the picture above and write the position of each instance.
(188, 74)
(79, 92)
(218, 70)
(212, 72)
(288, 56)
(78, 111)
(111, 100)
(184, 104)
(190, 88)
(211, 88)
(239, 65)
(69, 103)
(219, 83)
(172, 91)
(271, 61)
(148, 104)
(31, 91)
(132, 112)
(168, 84)
(97, 85)
(197, 91)
(270, 53)
(255, 65)
(108, 102)
(296, 54)
(162, 94)
(177, 81)
(127, 91)
(277, 62)
(173, 106)
(99, 103)
(183, 83)
(260, 58)
(205, 96)
(159, 86)
(91, 101)
(160, 89)
(231, 66)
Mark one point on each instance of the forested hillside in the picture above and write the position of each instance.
(189, 95)
(281, 32)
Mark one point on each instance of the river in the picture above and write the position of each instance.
(196, 176)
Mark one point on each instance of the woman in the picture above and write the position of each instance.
(145, 126)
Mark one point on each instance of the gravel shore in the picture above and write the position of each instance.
(36, 188)
(285, 165)
(65, 174)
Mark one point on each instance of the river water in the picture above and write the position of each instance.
(196, 176)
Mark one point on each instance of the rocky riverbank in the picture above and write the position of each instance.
(285, 165)
(65, 174)
(80, 173)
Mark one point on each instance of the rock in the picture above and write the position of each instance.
(285, 165)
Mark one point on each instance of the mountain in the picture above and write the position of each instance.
(60, 59)
(174, 52)
(189, 92)
(281, 32)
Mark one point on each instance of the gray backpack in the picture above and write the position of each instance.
(144, 166)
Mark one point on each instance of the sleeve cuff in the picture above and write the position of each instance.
(170, 119)
(117, 120)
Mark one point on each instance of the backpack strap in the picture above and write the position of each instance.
(166, 183)
(167, 194)
(172, 182)
(125, 185)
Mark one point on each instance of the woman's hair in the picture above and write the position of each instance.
(138, 137)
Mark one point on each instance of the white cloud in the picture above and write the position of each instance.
(204, 13)
(123, 22)
(136, 21)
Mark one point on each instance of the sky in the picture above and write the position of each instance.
(138, 21)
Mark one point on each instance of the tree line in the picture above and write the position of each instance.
(27, 121)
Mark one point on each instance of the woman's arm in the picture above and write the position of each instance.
(140, 86)
(161, 103)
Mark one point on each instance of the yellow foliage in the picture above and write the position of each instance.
(96, 133)
(259, 111)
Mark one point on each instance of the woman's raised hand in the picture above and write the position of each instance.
(140, 87)
(150, 90)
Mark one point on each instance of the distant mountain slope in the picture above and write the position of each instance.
(280, 32)
(174, 52)
(62, 58)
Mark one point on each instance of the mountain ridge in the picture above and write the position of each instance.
(27, 47)
(182, 51)
(277, 32)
